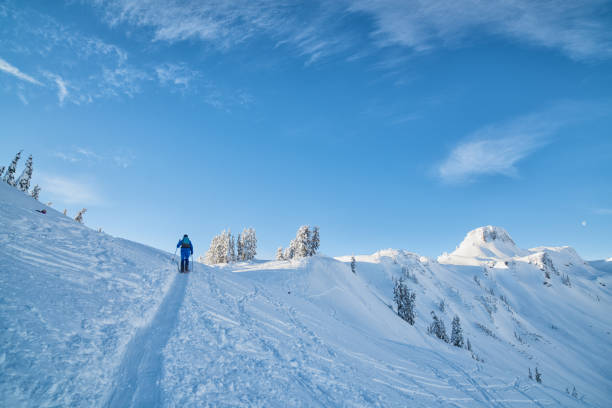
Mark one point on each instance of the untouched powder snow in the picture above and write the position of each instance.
(92, 320)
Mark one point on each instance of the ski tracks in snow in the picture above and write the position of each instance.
(137, 380)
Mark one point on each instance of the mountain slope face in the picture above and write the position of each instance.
(91, 320)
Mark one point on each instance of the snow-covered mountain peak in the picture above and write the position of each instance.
(484, 245)
(488, 234)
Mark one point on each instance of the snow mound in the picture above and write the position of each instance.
(487, 244)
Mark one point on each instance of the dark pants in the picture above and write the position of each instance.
(185, 265)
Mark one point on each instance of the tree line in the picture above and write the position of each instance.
(23, 182)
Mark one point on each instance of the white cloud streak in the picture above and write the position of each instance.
(497, 148)
(69, 191)
(62, 86)
(577, 28)
(310, 27)
(178, 75)
(11, 70)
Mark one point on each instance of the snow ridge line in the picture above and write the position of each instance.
(136, 383)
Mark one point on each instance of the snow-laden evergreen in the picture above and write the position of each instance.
(9, 177)
(23, 182)
(247, 244)
(92, 320)
(36, 192)
(305, 243)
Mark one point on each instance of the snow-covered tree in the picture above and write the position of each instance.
(290, 251)
(222, 249)
(314, 242)
(79, 216)
(405, 300)
(35, 192)
(469, 345)
(239, 248)
(231, 248)
(2, 170)
(249, 243)
(9, 177)
(437, 327)
(538, 375)
(302, 242)
(530, 375)
(23, 183)
(456, 332)
(280, 256)
(353, 265)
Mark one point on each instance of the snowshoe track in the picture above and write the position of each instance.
(137, 380)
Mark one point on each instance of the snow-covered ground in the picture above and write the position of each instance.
(92, 320)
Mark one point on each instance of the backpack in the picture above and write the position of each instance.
(186, 243)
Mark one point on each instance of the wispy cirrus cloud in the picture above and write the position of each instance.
(79, 66)
(176, 75)
(62, 86)
(14, 71)
(579, 29)
(310, 27)
(496, 149)
(120, 157)
(70, 191)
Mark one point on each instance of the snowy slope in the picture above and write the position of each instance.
(602, 265)
(71, 300)
(93, 320)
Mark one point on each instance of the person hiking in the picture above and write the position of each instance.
(186, 251)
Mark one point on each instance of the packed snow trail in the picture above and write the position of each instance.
(137, 382)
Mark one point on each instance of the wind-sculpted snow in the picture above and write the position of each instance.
(91, 320)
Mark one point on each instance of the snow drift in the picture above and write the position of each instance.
(92, 320)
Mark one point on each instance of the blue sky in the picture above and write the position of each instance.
(388, 123)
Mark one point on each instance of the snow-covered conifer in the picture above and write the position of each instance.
(405, 301)
(23, 183)
(231, 248)
(35, 192)
(290, 251)
(280, 256)
(302, 242)
(79, 216)
(249, 244)
(538, 375)
(314, 242)
(353, 265)
(2, 170)
(212, 255)
(530, 375)
(469, 345)
(9, 177)
(456, 332)
(437, 327)
(240, 247)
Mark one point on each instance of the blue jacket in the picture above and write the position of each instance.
(185, 252)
